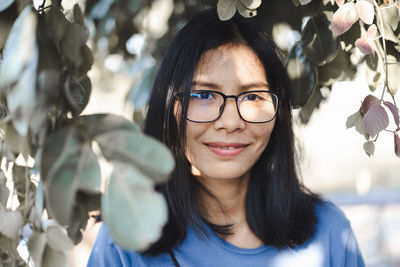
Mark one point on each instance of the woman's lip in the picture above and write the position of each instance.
(226, 149)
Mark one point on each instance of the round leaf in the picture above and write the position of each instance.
(74, 167)
(393, 74)
(251, 4)
(369, 148)
(319, 44)
(394, 110)
(397, 144)
(10, 223)
(98, 124)
(375, 120)
(245, 11)
(226, 9)
(101, 9)
(145, 153)
(364, 45)
(4, 4)
(133, 211)
(303, 76)
(36, 246)
(57, 238)
(20, 48)
(365, 11)
(344, 18)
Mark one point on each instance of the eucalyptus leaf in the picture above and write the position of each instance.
(53, 258)
(101, 9)
(246, 11)
(393, 74)
(375, 120)
(4, 4)
(369, 148)
(36, 245)
(312, 103)
(98, 124)
(396, 144)
(84, 202)
(226, 9)
(389, 24)
(140, 93)
(57, 238)
(133, 211)
(336, 70)
(302, 75)
(147, 154)
(319, 44)
(9, 246)
(4, 191)
(11, 223)
(20, 48)
(74, 167)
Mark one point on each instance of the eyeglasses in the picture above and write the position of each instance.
(207, 105)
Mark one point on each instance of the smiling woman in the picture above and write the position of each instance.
(220, 102)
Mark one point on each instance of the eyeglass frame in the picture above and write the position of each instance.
(180, 96)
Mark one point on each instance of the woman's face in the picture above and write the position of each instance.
(228, 147)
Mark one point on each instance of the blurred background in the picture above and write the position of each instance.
(128, 39)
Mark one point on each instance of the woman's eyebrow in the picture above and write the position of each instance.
(205, 84)
(254, 85)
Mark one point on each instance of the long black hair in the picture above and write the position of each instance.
(279, 210)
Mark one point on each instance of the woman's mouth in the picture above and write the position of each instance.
(226, 149)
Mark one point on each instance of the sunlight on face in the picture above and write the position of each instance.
(228, 147)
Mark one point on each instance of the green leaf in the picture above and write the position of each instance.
(226, 9)
(302, 75)
(10, 223)
(334, 71)
(312, 103)
(4, 4)
(390, 19)
(84, 203)
(140, 93)
(356, 120)
(369, 148)
(4, 191)
(98, 124)
(9, 246)
(15, 142)
(53, 258)
(101, 9)
(18, 70)
(66, 170)
(133, 211)
(76, 95)
(319, 44)
(57, 238)
(20, 48)
(393, 74)
(147, 154)
(36, 245)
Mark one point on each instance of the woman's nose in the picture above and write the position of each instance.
(230, 119)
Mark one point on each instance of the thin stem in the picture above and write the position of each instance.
(382, 30)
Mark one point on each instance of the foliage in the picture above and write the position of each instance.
(44, 86)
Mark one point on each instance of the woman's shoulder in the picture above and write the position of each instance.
(106, 252)
(328, 213)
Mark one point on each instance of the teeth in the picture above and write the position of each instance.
(226, 147)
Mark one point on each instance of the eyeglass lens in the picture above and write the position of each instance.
(254, 106)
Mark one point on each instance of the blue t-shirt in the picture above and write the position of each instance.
(333, 245)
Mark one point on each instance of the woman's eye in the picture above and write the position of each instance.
(201, 96)
(251, 97)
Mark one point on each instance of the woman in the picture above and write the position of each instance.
(220, 102)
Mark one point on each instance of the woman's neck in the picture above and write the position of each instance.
(227, 203)
(227, 206)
